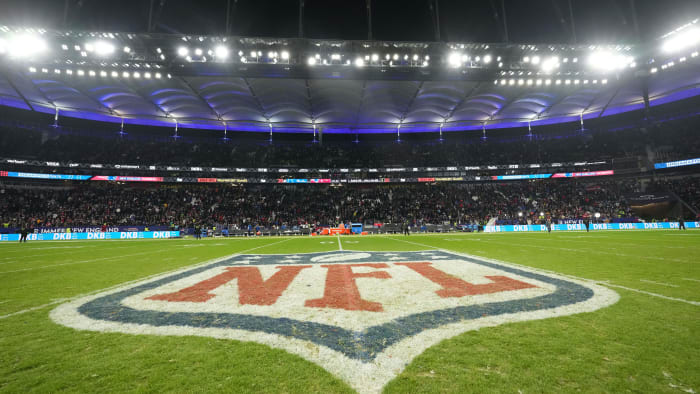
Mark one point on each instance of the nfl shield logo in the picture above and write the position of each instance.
(361, 315)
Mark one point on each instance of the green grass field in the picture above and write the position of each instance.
(647, 342)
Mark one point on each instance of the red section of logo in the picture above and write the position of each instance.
(341, 290)
(252, 290)
(3, 173)
(455, 287)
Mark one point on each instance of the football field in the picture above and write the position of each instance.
(648, 340)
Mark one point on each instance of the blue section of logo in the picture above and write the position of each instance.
(363, 345)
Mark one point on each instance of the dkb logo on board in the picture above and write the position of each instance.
(361, 315)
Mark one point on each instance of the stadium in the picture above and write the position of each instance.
(358, 196)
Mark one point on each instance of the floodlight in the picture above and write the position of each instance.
(396, 56)
(359, 62)
(221, 52)
(158, 75)
(454, 60)
(32, 69)
(253, 54)
(25, 46)
(103, 48)
(548, 65)
(535, 60)
(683, 39)
(137, 75)
(335, 56)
(285, 55)
(487, 59)
(312, 61)
(91, 73)
(387, 57)
(125, 74)
(607, 61)
(81, 73)
(198, 52)
(597, 215)
(103, 73)
(375, 57)
(415, 58)
(127, 50)
(115, 74)
(526, 59)
(183, 51)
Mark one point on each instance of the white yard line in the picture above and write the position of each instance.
(658, 283)
(340, 244)
(111, 258)
(692, 280)
(604, 283)
(651, 294)
(57, 301)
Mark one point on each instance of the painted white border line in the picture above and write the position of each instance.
(658, 283)
(134, 281)
(692, 280)
(605, 283)
(340, 245)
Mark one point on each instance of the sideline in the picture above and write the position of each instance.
(60, 300)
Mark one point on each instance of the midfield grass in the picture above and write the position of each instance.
(644, 343)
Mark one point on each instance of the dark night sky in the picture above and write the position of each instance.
(596, 21)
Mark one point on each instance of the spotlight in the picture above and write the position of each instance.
(335, 56)
(115, 74)
(81, 73)
(253, 54)
(147, 75)
(103, 73)
(415, 58)
(387, 57)
(221, 52)
(125, 74)
(285, 55)
(359, 62)
(198, 52)
(396, 56)
(375, 57)
(158, 76)
(487, 59)
(32, 69)
(182, 51)
(91, 73)
(127, 50)
(137, 75)
(312, 61)
(535, 60)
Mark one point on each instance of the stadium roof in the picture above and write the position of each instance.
(338, 86)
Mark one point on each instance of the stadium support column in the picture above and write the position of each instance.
(573, 23)
(435, 13)
(369, 19)
(645, 92)
(66, 7)
(301, 18)
(505, 21)
(229, 12)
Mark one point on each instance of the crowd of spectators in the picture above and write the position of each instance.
(503, 147)
(309, 205)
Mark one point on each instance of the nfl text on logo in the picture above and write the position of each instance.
(361, 315)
